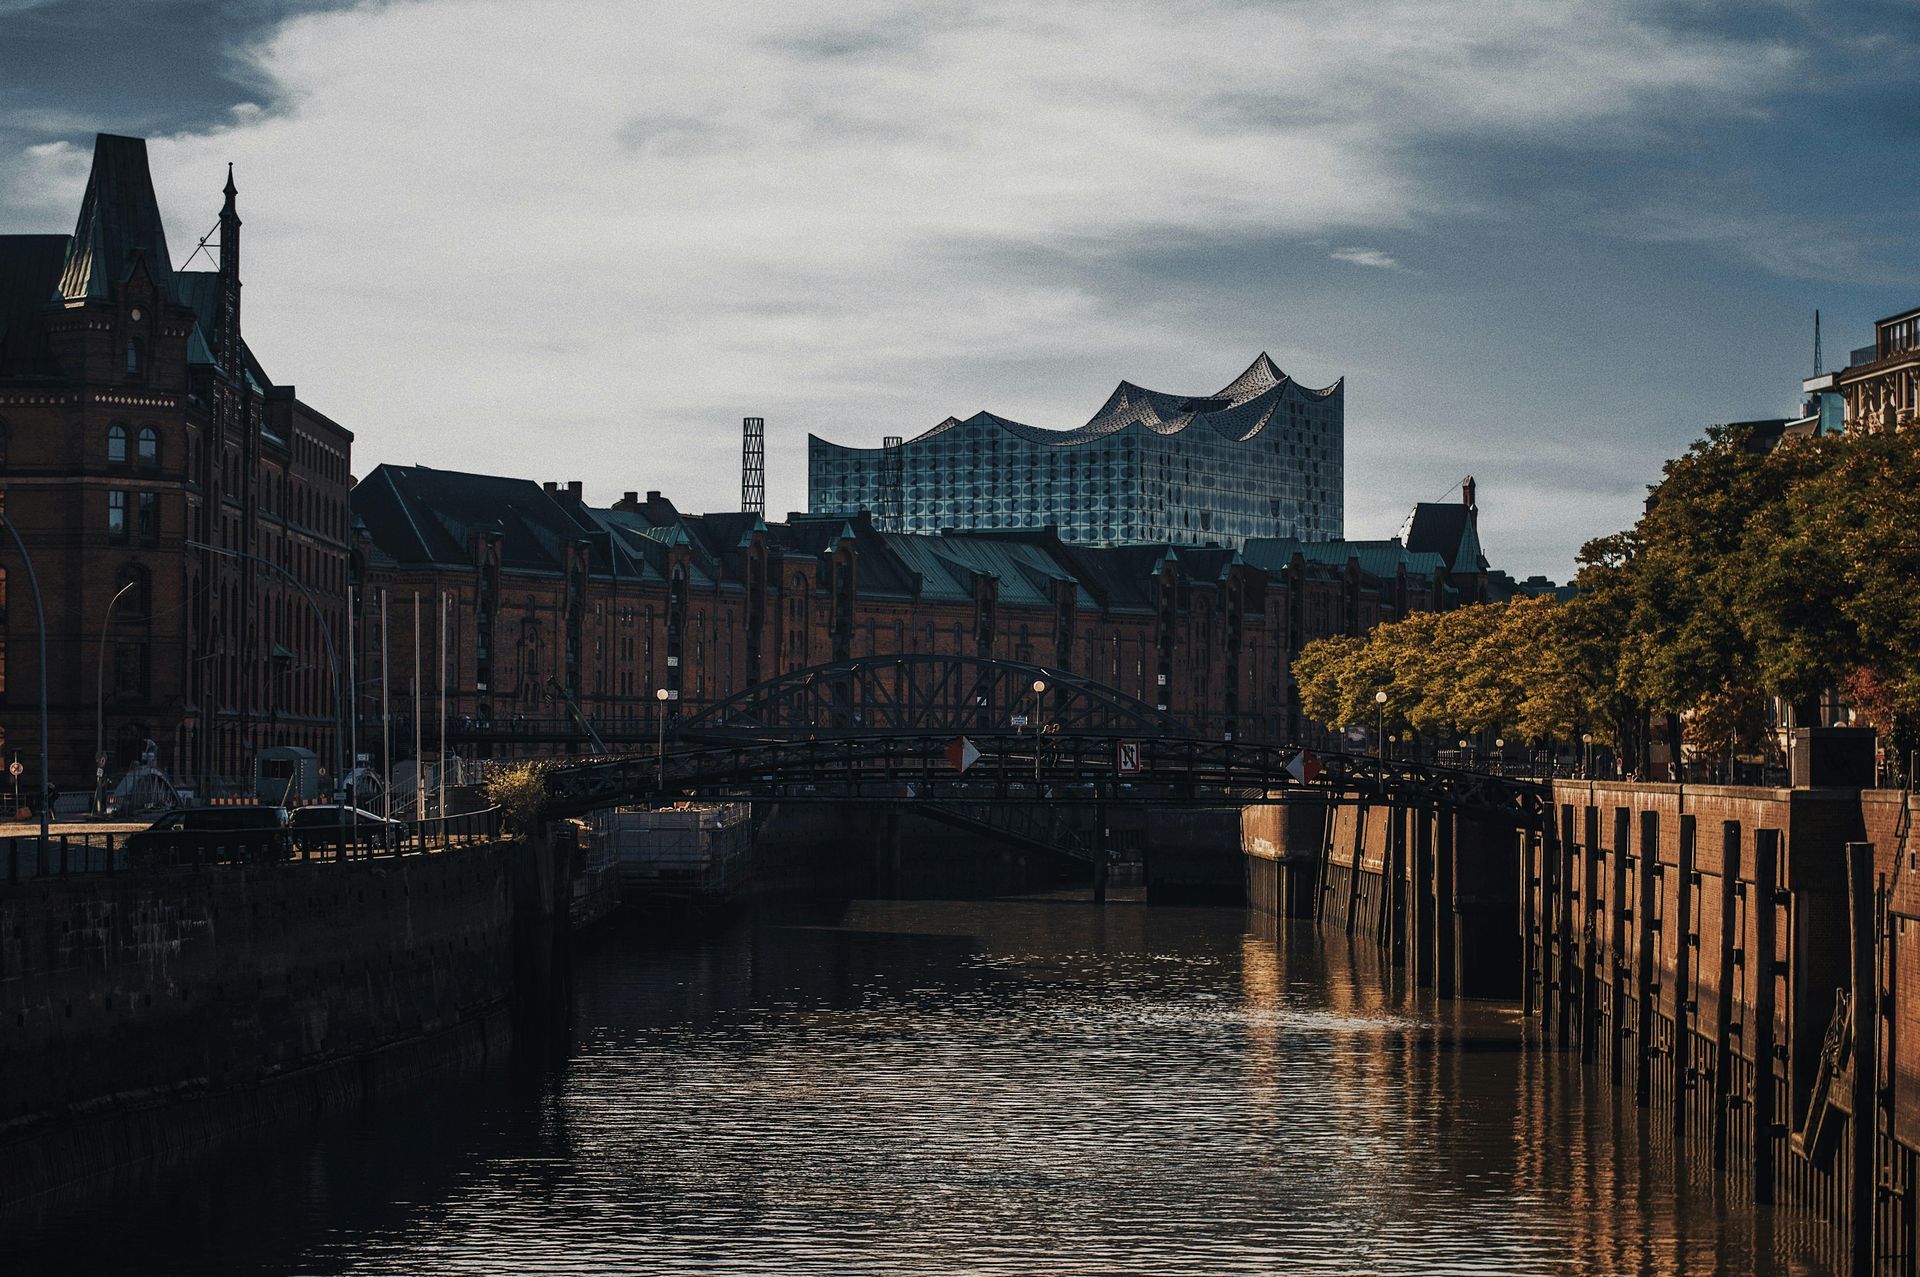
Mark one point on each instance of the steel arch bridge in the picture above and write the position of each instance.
(1022, 767)
(909, 695)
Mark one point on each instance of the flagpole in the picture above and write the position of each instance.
(443, 709)
(386, 717)
(419, 785)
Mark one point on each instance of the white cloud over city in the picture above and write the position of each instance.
(580, 239)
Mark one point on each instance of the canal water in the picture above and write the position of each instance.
(1012, 1086)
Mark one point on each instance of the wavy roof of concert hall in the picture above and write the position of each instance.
(1238, 411)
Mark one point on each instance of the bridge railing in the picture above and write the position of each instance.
(61, 855)
(1018, 768)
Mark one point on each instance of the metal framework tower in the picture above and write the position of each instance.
(753, 465)
(893, 479)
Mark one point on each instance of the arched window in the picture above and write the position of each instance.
(149, 446)
(116, 445)
(134, 354)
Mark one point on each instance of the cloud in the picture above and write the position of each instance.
(583, 237)
(1366, 257)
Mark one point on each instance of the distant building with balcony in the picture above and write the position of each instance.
(1262, 457)
(1879, 389)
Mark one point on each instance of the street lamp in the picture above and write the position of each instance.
(40, 616)
(1039, 712)
(1586, 745)
(100, 698)
(1500, 749)
(661, 696)
(326, 638)
(1380, 733)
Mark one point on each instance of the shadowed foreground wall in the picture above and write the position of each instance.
(141, 1014)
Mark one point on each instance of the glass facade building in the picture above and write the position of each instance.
(1263, 457)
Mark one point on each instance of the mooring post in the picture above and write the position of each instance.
(1568, 911)
(1102, 853)
(1764, 964)
(1548, 913)
(1620, 913)
(1683, 1005)
(1590, 937)
(1646, 991)
(1863, 1126)
(1445, 871)
(1353, 867)
(1324, 883)
(1723, 1071)
(1529, 841)
(1421, 900)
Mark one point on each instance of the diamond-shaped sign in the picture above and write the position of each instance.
(962, 754)
(1304, 767)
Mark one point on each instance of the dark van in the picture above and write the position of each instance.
(254, 832)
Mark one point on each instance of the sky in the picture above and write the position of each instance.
(1545, 244)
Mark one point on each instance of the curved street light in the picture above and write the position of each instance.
(100, 699)
(40, 617)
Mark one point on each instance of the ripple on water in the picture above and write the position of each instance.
(1018, 1087)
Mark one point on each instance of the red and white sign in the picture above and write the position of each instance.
(1126, 757)
(962, 754)
(1304, 767)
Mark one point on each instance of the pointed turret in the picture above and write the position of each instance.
(119, 221)
(227, 339)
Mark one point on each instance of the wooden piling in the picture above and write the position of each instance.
(1619, 913)
(1549, 922)
(1764, 966)
(1446, 920)
(1723, 1070)
(1567, 972)
(1353, 868)
(1684, 941)
(1645, 990)
(1590, 934)
(1863, 1095)
(1421, 900)
(1529, 934)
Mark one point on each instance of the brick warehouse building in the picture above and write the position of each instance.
(135, 419)
(546, 592)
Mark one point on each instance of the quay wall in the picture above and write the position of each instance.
(142, 1014)
(1743, 962)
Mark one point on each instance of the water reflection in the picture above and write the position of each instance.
(1027, 1086)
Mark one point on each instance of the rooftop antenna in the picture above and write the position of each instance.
(1818, 363)
(753, 465)
(892, 481)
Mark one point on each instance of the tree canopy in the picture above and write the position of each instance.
(1755, 571)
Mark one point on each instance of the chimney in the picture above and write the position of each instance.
(653, 495)
(629, 500)
(550, 487)
(1466, 493)
(573, 489)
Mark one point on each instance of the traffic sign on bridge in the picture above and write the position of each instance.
(962, 754)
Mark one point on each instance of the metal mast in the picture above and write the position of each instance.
(753, 465)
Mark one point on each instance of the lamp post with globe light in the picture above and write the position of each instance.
(1380, 732)
(663, 696)
(1039, 708)
(1586, 746)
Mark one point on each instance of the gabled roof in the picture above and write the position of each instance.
(119, 217)
(419, 515)
(1446, 529)
(1382, 559)
(30, 267)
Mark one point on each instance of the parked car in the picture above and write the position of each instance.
(330, 825)
(210, 835)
